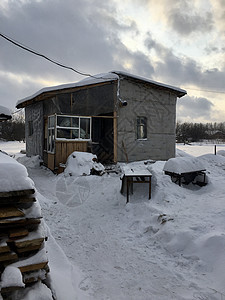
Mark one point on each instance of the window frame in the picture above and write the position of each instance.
(139, 125)
(73, 128)
(51, 136)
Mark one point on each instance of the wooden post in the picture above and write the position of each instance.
(150, 184)
(179, 180)
(115, 135)
(215, 150)
(125, 151)
(127, 178)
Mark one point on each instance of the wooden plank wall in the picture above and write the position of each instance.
(51, 159)
(64, 148)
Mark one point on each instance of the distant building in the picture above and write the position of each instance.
(117, 116)
(5, 113)
(216, 135)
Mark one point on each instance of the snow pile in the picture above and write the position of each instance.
(30, 162)
(14, 176)
(12, 148)
(181, 153)
(181, 165)
(38, 291)
(11, 276)
(81, 163)
(221, 152)
(214, 162)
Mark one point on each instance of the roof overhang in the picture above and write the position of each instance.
(177, 91)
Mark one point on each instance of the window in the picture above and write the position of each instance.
(141, 128)
(73, 128)
(67, 128)
(51, 134)
(30, 128)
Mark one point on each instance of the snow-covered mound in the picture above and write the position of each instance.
(181, 165)
(11, 276)
(221, 152)
(181, 153)
(13, 175)
(30, 162)
(81, 163)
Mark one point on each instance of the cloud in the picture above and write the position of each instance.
(185, 24)
(84, 35)
(78, 35)
(13, 87)
(183, 70)
(187, 17)
(194, 108)
(88, 35)
(182, 16)
(218, 9)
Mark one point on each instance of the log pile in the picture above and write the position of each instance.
(22, 237)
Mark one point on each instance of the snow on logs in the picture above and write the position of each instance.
(23, 257)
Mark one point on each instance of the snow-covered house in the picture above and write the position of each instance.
(5, 113)
(116, 115)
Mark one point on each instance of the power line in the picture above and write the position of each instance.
(26, 48)
(207, 91)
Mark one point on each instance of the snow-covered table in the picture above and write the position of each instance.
(132, 175)
(185, 170)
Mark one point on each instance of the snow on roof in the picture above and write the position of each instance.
(181, 165)
(4, 113)
(151, 81)
(99, 78)
(14, 176)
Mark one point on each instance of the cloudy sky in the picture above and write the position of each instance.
(177, 42)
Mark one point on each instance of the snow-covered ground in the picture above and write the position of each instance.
(169, 247)
(197, 149)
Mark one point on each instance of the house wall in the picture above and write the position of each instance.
(92, 101)
(159, 107)
(34, 142)
(84, 102)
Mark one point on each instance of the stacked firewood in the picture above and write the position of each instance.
(22, 237)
